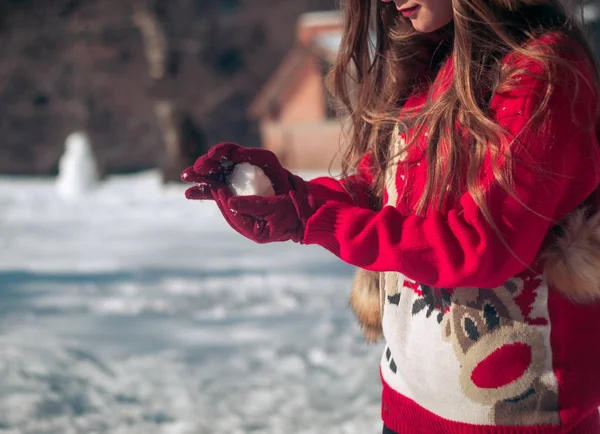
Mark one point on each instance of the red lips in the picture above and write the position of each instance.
(407, 13)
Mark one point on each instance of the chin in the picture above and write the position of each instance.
(424, 27)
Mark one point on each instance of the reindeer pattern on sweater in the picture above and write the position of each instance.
(472, 355)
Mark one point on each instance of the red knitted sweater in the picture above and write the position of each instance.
(476, 342)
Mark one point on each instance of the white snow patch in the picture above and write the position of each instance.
(248, 180)
(141, 312)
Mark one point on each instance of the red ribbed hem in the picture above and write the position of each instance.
(404, 416)
(320, 228)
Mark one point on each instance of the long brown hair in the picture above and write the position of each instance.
(382, 60)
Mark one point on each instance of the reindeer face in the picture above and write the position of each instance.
(478, 317)
(494, 345)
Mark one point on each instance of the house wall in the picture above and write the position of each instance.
(299, 131)
(306, 101)
(305, 146)
(301, 136)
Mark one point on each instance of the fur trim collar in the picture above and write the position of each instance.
(571, 266)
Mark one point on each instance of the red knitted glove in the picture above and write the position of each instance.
(261, 219)
(220, 160)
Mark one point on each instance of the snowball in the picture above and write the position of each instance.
(77, 169)
(249, 180)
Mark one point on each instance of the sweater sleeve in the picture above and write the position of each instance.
(331, 189)
(554, 167)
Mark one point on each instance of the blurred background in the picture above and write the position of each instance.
(155, 82)
(125, 308)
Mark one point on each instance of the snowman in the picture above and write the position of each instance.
(77, 169)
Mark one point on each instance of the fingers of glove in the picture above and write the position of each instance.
(259, 157)
(224, 151)
(229, 216)
(235, 219)
(254, 227)
(204, 167)
(190, 175)
(258, 206)
(204, 190)
(217, 162)
(246, 225)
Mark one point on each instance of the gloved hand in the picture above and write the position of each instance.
(261, 219)
(218, 163)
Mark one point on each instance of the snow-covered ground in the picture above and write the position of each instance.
(135, 311)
